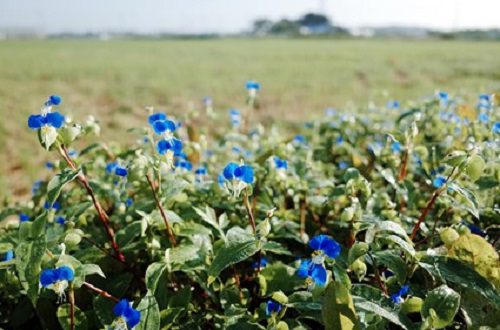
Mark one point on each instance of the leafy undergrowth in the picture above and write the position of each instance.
(383, 220)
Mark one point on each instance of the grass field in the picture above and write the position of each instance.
(114, 80)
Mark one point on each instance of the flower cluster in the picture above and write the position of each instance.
(116, 169)
(168, 145)
(313, 270)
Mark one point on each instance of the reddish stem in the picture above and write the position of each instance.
(422, 217)
(71, 309)
(100, 211)
(170, 234)
(100, 292)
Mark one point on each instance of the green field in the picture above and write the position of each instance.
(114, 80)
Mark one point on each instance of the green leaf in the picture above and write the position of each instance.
(276, 248)
(181, 254)
(64, 320)
(475, 167)
(230, 255)
(29, 254)
(338, 308)
(210, 217)
(468, 198)
(357, 250)
(126, 235)
(55, 186)
(388, 314)
(153, 275)
(85, 270)
(454, 271)
(393, 260)
(150, 313)
(441, 306)
(404, 245)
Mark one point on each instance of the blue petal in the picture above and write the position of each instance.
(155, 117)
(303, 270)
(120, 307)
(9, 255)
(47, 277)
(201, 171)
(404, 290)
(252, 85)
(162, 146)
(439, 181)
(244, 173)
(161, 126)
(64, 273)
(229, 170)
(177, 146)
(54, 100)
(121, 171)
(55, 119)
(272, 307)
(36, 121)
(326, 244)
(476, 230)
(221, 180)
(496, 127)
(23, 217)
(110, 167)
(132, 316)
(396, 298)
(318, 274)
(60, 220)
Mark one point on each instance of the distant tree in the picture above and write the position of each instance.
(285, 26)
(262, 26)
(312, 19)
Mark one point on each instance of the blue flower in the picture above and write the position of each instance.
(184, 165)
(252, 85)
(439, 181)
(36, 186)
(263, 263)
(484, 118)
(325, 245)
(280, 163)
(339, 140)
(156, 117)
(443, 98)
(235, 116)
(61, 220)
(315, 274)
(126, 313)
(129, 202)
(397, 297)
(396, 147)
(393, 104)
(174, 145)
(244, 173)
(162, 126)
(115, 168)
(496, 127)
(121, 171)
(299, 139)
(54, 119)
(49, 165)
(9, 255)
(53, 100)
(272, 307)
(23, 217)
(476, 230)
(238, 177)
(201, 171)
(57, 279)
(343, 165)
(56, 206)
(72, 153)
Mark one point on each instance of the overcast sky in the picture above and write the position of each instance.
(226, 16)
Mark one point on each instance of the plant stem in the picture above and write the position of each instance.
(421, 219)
(250, 212)
(404, 166)
(377, 275)
(100, 211)
(303, 205)
(71, 309)
(100, 292)
(170, 234)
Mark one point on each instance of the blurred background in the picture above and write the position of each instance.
(110, 59)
